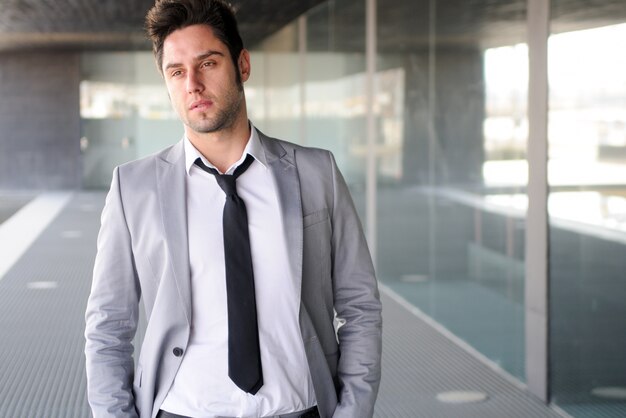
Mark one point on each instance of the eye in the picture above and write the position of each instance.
(208, 64)
(176, 73)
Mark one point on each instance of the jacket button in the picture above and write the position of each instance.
(177, 351)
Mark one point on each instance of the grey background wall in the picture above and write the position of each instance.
(40, 121)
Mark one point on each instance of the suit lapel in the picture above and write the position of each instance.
(285, 173)
(173, 200)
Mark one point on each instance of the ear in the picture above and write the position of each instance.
(244, 65)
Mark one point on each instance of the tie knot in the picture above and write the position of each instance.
(227, 181)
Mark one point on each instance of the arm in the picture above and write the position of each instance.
(357, 303)
(111, 317)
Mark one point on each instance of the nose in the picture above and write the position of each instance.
(194, 84)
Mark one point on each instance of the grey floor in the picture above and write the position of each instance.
(12, 202)
(43, 297)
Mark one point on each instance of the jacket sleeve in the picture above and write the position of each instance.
(112, 313)
(358, 307)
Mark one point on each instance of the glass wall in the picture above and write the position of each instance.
(273, 92)
(587, 207)
(308, 86)
(452, 171)
(451, 134)
(125, 112)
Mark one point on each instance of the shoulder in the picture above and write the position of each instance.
(300, 155)
(290, 146)
(169, 155)
(142, 177)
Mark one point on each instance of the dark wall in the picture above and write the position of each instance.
(39, 121)
(587, 314)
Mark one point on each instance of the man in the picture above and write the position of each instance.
(279, 318)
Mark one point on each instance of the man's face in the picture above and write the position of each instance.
(201, 79)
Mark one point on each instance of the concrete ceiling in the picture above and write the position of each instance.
(118, 24)
(403, 25)
(411, 25)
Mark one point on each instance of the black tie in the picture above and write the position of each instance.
(244, 355)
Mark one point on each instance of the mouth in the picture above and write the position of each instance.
(201, 105)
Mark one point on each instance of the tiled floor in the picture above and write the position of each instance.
(43, 297)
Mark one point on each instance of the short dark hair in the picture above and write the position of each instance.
(167, 16)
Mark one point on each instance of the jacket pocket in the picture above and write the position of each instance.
(315, 218)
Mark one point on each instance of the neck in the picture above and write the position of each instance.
(222, 148)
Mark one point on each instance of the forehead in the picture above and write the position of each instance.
(190, 42)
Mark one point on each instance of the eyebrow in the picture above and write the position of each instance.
(198, 58)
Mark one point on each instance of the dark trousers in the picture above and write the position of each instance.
(308, 413)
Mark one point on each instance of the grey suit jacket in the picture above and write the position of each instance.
(143, 252)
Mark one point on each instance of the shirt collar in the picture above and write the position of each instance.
(253, 147)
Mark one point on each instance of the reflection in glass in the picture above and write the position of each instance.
(587, 207)
(125, 113)
(451, 134)
(316, 97)
(460, 130)
(587, 129)
(105, 100)
(450, 108)
(506, 124)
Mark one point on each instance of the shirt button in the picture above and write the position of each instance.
(177, 351)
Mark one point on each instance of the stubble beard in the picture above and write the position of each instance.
(224, 118)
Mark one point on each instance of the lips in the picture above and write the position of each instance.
(200, 105)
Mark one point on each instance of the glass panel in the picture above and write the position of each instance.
(587, 207)
(452, 171)
(273, 91)
(316, 97)
(335, 89)
(125, 112)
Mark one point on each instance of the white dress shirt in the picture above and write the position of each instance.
(202, 388)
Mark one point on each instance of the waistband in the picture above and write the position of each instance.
(307, 413)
